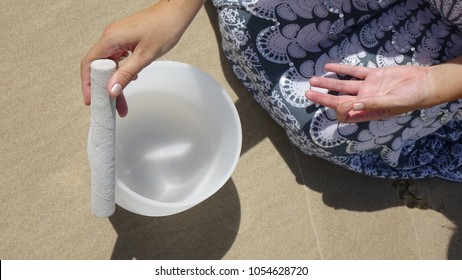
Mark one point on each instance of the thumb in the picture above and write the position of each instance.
(343, 109)
(382, 102)
(126, 72)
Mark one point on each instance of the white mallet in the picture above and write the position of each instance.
(102, 139)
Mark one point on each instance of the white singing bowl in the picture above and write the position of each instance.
(179, 143)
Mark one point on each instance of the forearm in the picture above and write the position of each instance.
(183, 11)
(155, 30)
(445, 80)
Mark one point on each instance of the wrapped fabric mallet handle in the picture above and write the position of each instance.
(102, 139)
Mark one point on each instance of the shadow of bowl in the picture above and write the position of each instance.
(206, 231)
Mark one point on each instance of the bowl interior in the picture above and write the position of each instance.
(179, 143)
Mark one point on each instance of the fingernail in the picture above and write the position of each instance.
(358, 106)
(347, 105)
(116, 89)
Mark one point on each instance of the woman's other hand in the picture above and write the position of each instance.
(378, 93)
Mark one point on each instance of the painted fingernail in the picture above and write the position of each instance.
(358, 106)
(116, 89)
(347, 105)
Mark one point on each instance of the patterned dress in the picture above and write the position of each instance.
(275, 46)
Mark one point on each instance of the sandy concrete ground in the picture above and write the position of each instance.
(279, 203)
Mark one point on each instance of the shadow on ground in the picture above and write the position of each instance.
(205, 231)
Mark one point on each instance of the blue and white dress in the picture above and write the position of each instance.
(275, 46)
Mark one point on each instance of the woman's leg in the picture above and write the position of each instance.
(276, 46)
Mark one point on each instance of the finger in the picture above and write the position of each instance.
(343, 86)
(322, 98)
(127, 72)
(365, 116)
(99, 50)
(328, 100)
(343, 109)
(85, 80)
(359, 72)
(380, 102)
(123, 56)
(121, 105)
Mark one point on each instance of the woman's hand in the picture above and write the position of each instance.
(378, 93)
(147, 35)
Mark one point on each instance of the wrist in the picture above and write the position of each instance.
(445, 84)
